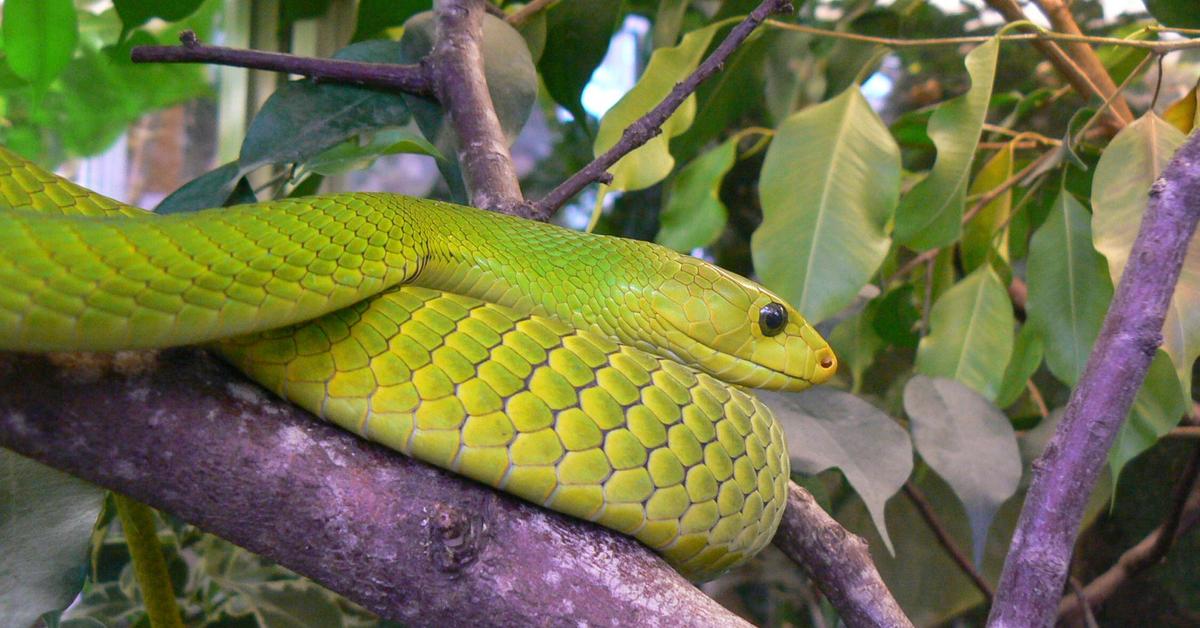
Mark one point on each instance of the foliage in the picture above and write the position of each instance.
(865, 211)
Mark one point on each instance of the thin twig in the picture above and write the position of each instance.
(650, 125)
(1182, 515)
(1160, 47)
(411, 79)
(456, 66)
(1063, 477)
(1006, 185)
(1077, 591)
(1035, 394)
(1187, 431)
(533, 8)
(947, 542)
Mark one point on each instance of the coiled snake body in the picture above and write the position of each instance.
(592, 375)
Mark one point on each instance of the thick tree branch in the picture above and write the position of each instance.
(1183, 514)
(408, 541)
(650, 125)
(838, 562)
(1080, 81)
(457, 66)
(412, 79)
(1034, 571)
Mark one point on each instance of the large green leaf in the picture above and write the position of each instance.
(222, 186)
(1178, 13)
(969, 442)
(652, 161)
(694, 215)
(375, 17)
(46, 519)
(134, 13)
(39, 38)
(828, 186)
(1069, 288)
(303, 118)
(930, 215)
(828, 428)
(577, 35)
(971, 333)
(1158, 407)
(1120, 191)
(856, 342)
(1026, 357)
(980, 239)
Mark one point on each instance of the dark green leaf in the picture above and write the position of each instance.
(829, 185)
(930, 215)
(971, 333)
(291, 11)
(39, 38)
(1026, 357)
(896, 318)
(855, 343)
(694, 215)
(1159, 406)
(303, 118)
(1178, 13)
(1069, 288)
(351, 155)
(577, 35)
(134, 13)
(46, 519)
(970, 444)
(377, 16)
(829, 428)
(215, 188)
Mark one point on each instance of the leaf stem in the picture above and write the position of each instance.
(929, 515)
(149, 566)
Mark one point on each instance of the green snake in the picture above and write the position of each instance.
(597, 376)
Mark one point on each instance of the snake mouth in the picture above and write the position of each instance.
(745, 372)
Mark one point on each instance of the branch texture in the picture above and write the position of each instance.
(410, 542)
(457, 67)
(412, 79)
(1032, 581)
(650, 125)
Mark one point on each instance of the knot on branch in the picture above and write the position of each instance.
(189, 39)
(457, 538)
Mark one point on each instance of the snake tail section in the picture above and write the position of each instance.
(565, 418)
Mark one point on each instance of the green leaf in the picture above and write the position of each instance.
(1159, 406)
(577, 36)
(971, 335)
(969, 443)
(1178, 13)
(855, 342)
(46, 519)
(219, 187)
(828, 428)
(829, 185)
(726, 99)
(652, 162)
(375, 17)
(134, 13)
(930, 215)
(980, 241)
(1069, 288)
(1026, 357)
(694, 215)
(668, 19)
(351, 155)
(39, 38)
(1120, 191)
(303, 118)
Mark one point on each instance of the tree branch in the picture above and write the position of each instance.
(947, 542)
(456, 62)
(650, 125)
(1076, 76)
(412, 79)
(1083, 54)
(1184, 513)
(1034, 571)
(407, 541)
(838, 561)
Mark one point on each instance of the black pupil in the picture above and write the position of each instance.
(772, 318)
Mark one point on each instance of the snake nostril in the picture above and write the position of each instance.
(826, 362)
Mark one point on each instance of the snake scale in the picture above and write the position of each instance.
(596, 376)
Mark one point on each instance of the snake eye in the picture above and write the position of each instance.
(772, 318)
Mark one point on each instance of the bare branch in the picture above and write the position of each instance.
(408, 541)
(457, 65)
(1061, 19)
(838, 561)
(650, 125)
(412, 79)
(1034, 572)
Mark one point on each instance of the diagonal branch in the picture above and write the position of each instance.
(650, 125)
(1036, 567)
(412, 79)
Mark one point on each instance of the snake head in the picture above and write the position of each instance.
(736, 330)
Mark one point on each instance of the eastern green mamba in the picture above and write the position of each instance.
(597, 376)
